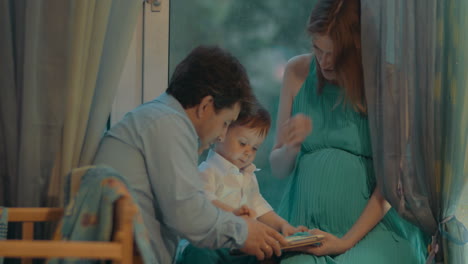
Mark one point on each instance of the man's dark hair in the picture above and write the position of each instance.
(210, 70)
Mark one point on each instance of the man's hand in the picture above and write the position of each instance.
(262, 240)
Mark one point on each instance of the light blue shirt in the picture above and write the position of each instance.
(155, 147)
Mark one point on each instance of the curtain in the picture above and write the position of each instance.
(104, 30)
(32, 80)
(415, 71)
(60, 66)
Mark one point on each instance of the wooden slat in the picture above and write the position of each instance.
(26, 261)
(24, 214)
(27, 234)
(137, 259)
(125, 211)
(61, 249)
(28, 231)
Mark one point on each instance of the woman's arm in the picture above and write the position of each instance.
(374, 211)
(291, 132)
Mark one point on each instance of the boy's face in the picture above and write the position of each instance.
(240, 145)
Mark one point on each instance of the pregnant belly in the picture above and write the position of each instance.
(332, 188)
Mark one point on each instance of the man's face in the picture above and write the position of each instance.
(214, 126)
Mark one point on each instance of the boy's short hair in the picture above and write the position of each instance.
(210, 70)
(257, 118)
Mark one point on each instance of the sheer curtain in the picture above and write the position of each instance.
(61, 62)
(415, 64)
(103, 32)
(33, 48)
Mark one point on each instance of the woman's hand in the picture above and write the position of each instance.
(296, 129)
(331, 245)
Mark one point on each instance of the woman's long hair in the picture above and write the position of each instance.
(340, 20)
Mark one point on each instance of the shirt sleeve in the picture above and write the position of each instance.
(255, 199)
(208, 176)
(170, 151)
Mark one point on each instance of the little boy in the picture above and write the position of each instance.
(231, 184)
(228, 172)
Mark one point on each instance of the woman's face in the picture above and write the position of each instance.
(323, 49)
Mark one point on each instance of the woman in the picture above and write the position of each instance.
(332, 188)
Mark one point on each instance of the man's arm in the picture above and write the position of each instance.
(171, 156)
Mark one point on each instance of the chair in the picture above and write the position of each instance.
(120, 249)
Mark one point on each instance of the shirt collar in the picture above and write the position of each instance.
(225, 165)
(174, 104)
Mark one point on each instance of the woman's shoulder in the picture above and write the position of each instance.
(299, 65)
(296, 71)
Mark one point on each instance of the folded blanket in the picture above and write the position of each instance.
(3, 226)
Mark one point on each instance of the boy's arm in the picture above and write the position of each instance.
(264, 209)
(275, 221)
(241, 211)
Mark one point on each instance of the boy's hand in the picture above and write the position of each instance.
(244, 210)
(287, 229)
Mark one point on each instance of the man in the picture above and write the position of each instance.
(156, 148)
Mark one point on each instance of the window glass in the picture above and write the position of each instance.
(263, 35)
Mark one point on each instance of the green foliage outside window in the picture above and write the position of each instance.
(263, 35)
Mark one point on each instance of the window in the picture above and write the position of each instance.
(145, 74)
(262, 34)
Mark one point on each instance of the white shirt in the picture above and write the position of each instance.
(226, 183)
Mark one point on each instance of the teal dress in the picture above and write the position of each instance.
(333, 180)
